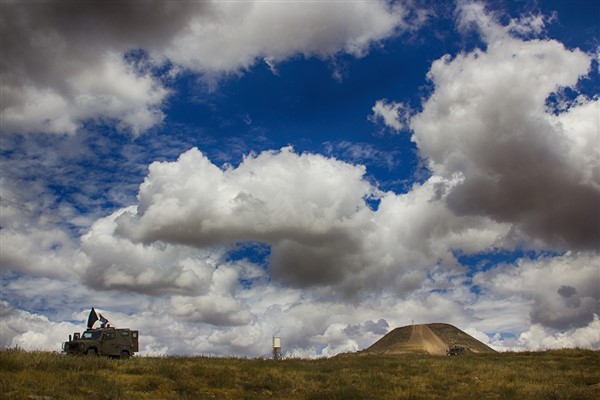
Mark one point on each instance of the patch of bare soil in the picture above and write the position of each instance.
(424, 337)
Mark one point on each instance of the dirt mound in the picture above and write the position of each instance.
(427, 339)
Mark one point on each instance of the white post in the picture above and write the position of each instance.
(276, 348)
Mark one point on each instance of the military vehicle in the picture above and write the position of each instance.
(103, 341)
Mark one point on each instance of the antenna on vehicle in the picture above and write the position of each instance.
(276, 348)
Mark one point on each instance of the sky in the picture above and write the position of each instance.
(216, 173)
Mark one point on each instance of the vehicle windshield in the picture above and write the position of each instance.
(90, 335)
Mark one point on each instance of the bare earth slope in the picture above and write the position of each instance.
(426, 339)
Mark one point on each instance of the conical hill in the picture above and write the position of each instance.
(434, 338)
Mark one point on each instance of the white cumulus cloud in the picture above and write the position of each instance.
(65, 63)
(335, 271)
(487, 122)
(394, 115)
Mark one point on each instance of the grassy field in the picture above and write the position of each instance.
(559, 374)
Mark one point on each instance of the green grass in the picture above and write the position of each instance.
(551, 375)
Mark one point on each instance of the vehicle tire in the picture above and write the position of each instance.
(92, 352)
(124, 355)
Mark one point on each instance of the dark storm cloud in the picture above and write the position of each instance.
(566, 291)
(533, 188)
(81, 31)
(304, 265)
(565, 313)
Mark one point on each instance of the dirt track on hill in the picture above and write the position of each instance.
(422, 336)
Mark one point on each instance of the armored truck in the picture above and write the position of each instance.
(107, 341)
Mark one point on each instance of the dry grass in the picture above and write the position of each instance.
(562, 374)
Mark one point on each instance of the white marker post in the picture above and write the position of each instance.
(276, 348)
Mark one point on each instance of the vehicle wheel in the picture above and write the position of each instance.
(124, 355)
(92, 352)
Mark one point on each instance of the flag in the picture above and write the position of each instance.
(92, 318)
(103, 320)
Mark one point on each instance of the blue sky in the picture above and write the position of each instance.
(215, 173)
